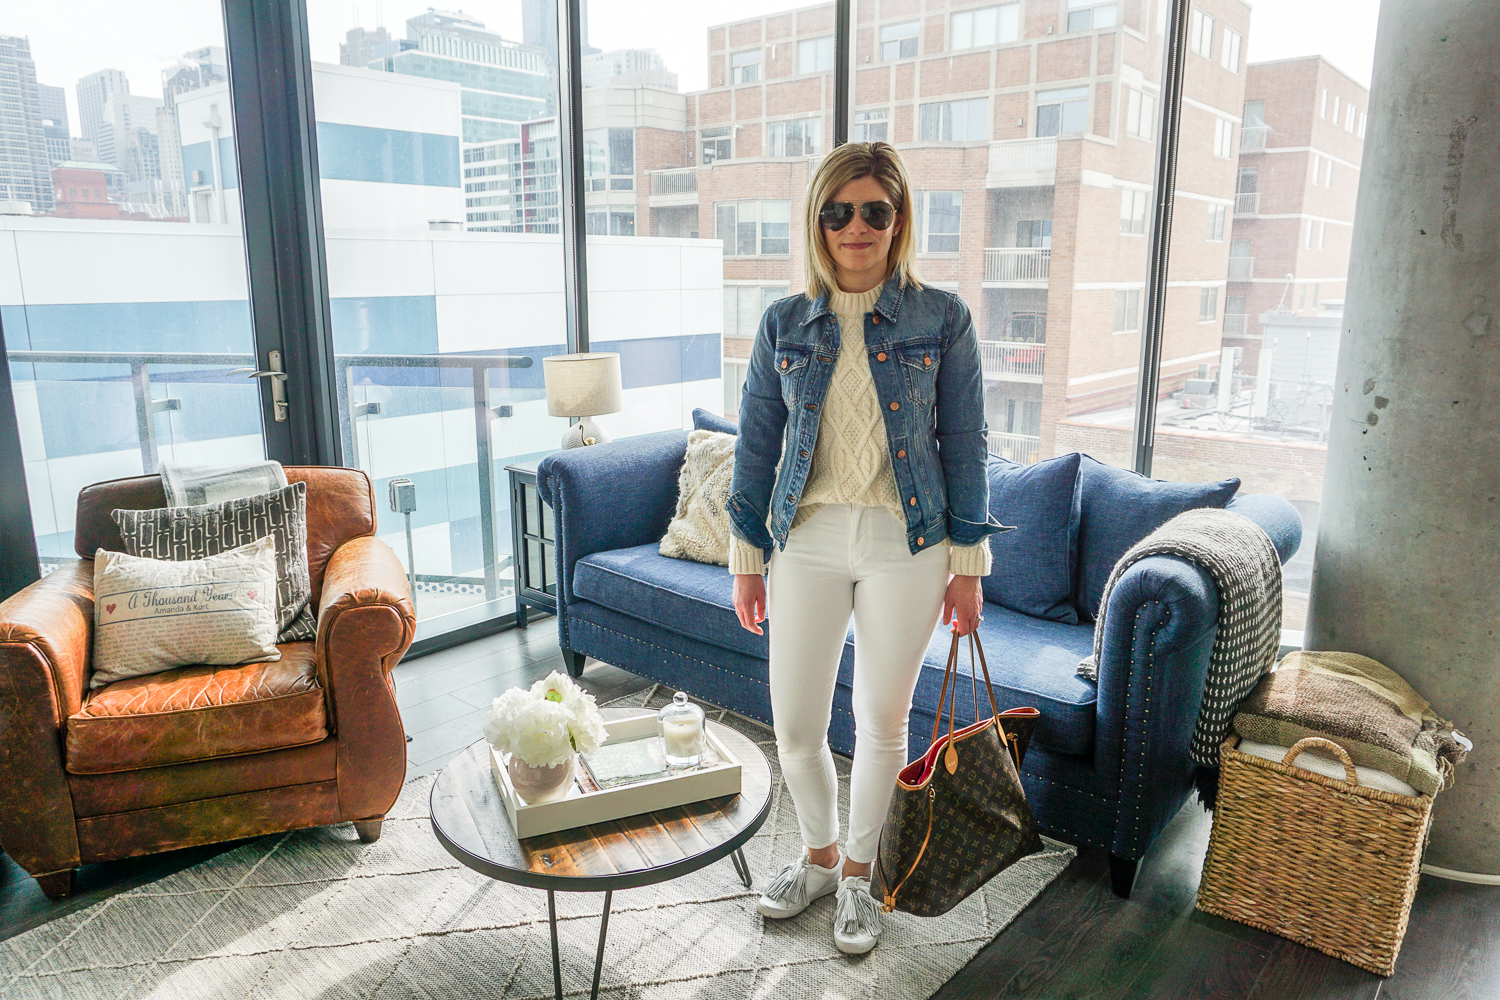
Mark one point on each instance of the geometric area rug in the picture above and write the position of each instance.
(316, 914)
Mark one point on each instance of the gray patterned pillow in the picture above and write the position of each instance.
(178, 533)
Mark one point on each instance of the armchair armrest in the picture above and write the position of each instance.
(1159, 630)
(365, 625)
(609, 496)
(45, 633)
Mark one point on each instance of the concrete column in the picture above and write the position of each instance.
(1407, 565)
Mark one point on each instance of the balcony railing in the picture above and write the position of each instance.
(1017, 264)
(1030, 327)
(680, 181)
(216, 367)
(1235, 323)
(1022, 162)
(1017, 361)
(1023, 449)
(1253, 137)
(1241, 268)
(1247, 203)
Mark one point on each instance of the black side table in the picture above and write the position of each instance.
(532, 544)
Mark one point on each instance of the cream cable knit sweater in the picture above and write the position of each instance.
(851, 461)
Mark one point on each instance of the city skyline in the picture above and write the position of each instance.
(1341, 32)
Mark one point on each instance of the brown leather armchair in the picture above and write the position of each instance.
(200, 755)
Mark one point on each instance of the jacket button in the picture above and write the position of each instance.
(926, 361)
(895, 405)
(802, 453)
(912, 501)
(880, 356)
(875, 318)
(921, 541)
(901, 453)
(783, 362)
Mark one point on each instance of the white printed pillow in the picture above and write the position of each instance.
(699, 530)
(152, 615)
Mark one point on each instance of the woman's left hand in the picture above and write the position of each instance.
(963, 603)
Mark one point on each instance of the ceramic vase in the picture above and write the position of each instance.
(540, 784)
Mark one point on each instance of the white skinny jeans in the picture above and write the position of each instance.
(848, 558)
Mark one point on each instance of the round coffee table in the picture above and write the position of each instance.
(469, 820)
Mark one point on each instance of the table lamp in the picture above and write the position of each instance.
(583, 385)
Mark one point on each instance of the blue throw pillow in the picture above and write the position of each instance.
(1118, 508)
(705, 420)
(1034, 566)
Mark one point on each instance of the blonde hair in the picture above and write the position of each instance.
(846, 163)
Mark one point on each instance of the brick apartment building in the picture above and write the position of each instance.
(1300, 155)
(1029, 130)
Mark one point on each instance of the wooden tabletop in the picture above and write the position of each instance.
(469, 820)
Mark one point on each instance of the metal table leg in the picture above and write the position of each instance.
(598, 956)
(741, 866)
(556, 963)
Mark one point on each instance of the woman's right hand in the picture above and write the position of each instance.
(750, 601)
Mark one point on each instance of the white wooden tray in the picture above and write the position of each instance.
(580, 808)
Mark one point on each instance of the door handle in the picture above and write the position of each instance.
(277, 375)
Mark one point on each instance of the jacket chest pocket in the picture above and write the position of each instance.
(919, 368)
(792, 365)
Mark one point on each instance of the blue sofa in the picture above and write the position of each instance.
(1108, 765)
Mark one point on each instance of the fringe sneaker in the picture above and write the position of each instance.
(856, 916)
(796, 886)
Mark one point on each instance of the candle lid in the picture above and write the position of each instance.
(680, 709)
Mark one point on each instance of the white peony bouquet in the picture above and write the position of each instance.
(544, 725)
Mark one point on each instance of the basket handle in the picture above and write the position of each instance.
(1308, 742)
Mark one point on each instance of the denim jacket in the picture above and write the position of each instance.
(924, 357)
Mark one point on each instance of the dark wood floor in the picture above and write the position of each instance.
(1076, 940)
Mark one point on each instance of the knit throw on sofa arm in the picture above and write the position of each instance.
(1242, 561)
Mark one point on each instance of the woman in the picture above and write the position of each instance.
(861, 456)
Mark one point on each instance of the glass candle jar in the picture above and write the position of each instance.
(680, 726)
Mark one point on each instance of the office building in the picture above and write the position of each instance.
(23, 142)
(198, 68)
(55, 131)
(505, 83)
(539, 27)
(362, 45)
(628, 68)
(94, 91)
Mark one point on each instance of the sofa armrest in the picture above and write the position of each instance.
(1276, 517)
(1159, 630)
(45, 632)
(365, 625)
(609, 496)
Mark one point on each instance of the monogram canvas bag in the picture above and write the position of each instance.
(958, 815)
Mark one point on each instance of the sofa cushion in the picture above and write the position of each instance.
(707, 420)
(1034, 566)
(690, 598)
(1117, 508)
(193, 713)
(1032, 662)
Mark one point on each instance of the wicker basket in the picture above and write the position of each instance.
(1319, 860)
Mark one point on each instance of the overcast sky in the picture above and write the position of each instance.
(72, 38)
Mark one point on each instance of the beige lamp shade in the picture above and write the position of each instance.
(582, 385)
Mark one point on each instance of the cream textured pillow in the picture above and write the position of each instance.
(152, 615)
(700, 528)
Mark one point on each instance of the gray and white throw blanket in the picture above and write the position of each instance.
(1240, 557)
(193, 485)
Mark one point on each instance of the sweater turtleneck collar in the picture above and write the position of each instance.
(853, 303)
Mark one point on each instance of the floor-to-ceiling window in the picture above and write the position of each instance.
(123, 292)
(439, 162)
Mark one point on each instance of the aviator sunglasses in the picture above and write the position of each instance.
(838, 214)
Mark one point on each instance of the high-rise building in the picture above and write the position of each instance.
(1299, 163)
(361, 46)
(55, 131)
(627, 68)
(197, 69)
(539, 26)
(505, 83)
(94, 91)
(125, 116)
(24, 167)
